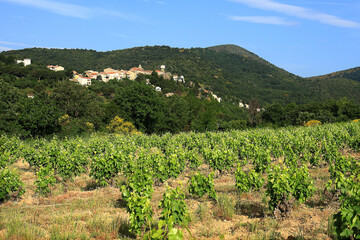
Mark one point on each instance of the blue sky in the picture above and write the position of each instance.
(307, 37)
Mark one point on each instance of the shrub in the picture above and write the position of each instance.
(246, 182)
(302, 184)
(10, 185)
(119, 126)
(45, 179)
(312, 123)
(278, 186)
(201, 185)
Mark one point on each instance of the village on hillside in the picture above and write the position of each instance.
(85, 79)
(110, 74)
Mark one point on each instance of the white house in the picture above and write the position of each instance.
(122, 73)
(26, 61)
(158, 89)
(55, 68)
(113, 75)
(216, 97)
(94, 75)
(181, 79)
(84, 81)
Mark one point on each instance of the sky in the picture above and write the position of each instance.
(304, 37)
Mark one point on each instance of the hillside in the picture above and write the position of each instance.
(232, 72)
(352, 74)
(234, 49)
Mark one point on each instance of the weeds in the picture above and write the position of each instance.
(225, 207)
(202, 212)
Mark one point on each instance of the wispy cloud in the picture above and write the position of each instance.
(331, 3)
(262, 19)
(2, 48)
(14, 44)
(300, 12)
(69, 9)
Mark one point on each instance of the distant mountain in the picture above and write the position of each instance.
(352, 74)
(231, 72)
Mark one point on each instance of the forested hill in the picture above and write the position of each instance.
(352, 74)
(231, 48)
(232, 72)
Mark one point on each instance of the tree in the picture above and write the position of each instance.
(255, 117)
(274, 113)
(9, 98)
(178, 114)
(78, 102)
(38, 116)
(140, 104)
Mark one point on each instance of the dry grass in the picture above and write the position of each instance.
(79, 210)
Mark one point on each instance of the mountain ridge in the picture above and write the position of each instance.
(351, 73)
(232, 72)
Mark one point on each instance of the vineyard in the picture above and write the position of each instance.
(289, 183)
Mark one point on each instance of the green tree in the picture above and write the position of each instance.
(178, 114)
(274, 113)
(38, 116)
(78, 102)
(140, 104)
(9, 97)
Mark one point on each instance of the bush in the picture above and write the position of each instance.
(119, 126)
(278, 186)
(312, 123)
(246, 182)
(10, 185)
(174, 209)
(347, 220)
(201, 185)
(45, 179)
(302, 184)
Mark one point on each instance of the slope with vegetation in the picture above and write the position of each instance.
(352, 74)
(230, 71)
(53, 97)
(63, 107)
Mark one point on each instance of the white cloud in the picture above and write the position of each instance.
(2, 48)
(69, 9)
(330, 3)
(299, 12)
(14, 44)
(262, 19)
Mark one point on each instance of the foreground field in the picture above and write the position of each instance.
(76, 188)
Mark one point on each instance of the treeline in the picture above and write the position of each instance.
(70, 108)
(325, 112)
